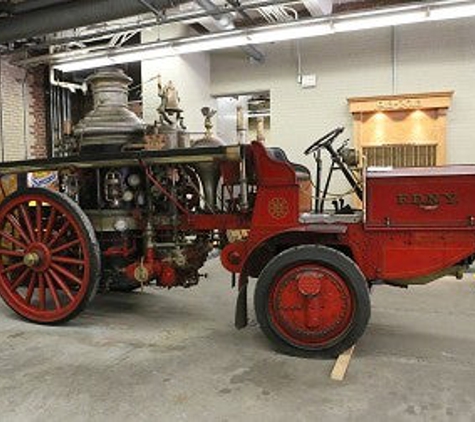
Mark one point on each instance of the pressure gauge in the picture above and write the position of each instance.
(128, 196)
(120, 225)
(133, 180)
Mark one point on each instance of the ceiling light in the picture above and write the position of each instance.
(212, 43)
(83, 64)
(146, 54)
(452, 12)
(430, 11)
(379, 21)
(113, 58)
(289, 33)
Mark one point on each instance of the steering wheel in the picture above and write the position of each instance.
(324, 140)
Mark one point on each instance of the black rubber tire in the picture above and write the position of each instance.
(93, 248)
(333, 260)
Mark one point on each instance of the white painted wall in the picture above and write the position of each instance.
(429, 57)
(227, 118)
(299, 115)
(438, 57)
(190, 74)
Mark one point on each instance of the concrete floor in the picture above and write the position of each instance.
(174, 355)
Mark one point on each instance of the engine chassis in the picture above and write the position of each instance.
(266, 208)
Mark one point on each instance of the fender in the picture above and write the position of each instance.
(249, 259)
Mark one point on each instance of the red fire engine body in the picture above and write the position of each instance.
(313, 268)
(124, 217)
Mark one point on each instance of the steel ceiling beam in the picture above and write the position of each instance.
(29, 6)
(72, 15)
(151, 22)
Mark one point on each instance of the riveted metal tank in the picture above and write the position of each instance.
(110, 126)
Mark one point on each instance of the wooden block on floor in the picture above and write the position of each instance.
(341, 365)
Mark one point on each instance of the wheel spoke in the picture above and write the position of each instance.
(14, 222)
(49, 225)
(58, 234)
(66, 246)
(48, 262)
(20, 279)
(62, 284)
(66, 273)
(41, 292)
(39, 222)
(13, 267)
(12, 239)
(52, 290)
(10, 252)
(68, 260)
(28, 224)
(31, 289)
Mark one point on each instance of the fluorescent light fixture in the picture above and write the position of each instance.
(114, 57)
(455, 11)
(84, 64)
(412, 13)
(213, 43)
(380, 21)
(146, 54)
(70, 63)
(289, 33)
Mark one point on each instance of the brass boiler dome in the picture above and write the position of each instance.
(209, 172)
(110, 126)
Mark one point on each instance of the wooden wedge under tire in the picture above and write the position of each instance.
(49, 256)
(312, 301)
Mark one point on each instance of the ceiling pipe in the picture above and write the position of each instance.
(152, 22)
(225, 23)
(224, 20)
(72, 15)
(432, 11)
(319, 7)
(29, 6)
(158, 13)
(235, 5)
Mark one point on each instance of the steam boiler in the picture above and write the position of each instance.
(127, 216)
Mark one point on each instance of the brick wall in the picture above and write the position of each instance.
(37, 114)
(22, 113)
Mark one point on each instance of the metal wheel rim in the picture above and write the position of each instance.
(324, 292)
(34, 223)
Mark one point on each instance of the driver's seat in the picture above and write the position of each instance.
(304, 178)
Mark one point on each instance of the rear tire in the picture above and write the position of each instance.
(49, 256)
(312, 301)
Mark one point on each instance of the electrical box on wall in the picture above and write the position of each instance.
(309, 81)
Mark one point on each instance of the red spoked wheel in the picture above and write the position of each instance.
(49, 256)
(312, 300)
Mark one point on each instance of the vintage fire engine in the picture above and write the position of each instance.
(125, 217)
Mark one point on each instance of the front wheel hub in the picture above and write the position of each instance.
(310, 283)
(31, 259)
(311, 305)
(38, 257)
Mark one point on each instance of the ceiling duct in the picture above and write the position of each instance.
(319, 7)
(225, 23)
(28, 6)
(72, 15)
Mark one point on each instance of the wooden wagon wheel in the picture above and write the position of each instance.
(49, 256)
